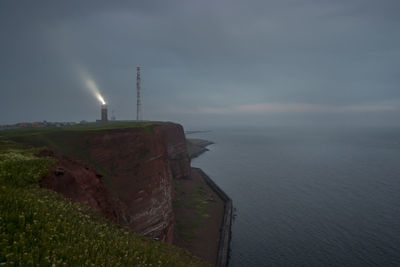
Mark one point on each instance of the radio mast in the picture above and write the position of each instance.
(138, 100)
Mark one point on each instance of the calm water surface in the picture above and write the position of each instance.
(309, 197)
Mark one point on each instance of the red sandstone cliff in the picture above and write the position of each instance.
(139, 165)
(178, 156)
(80, 183)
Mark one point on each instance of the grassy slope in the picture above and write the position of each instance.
(64, 138)
(38, 226)
(68, 140)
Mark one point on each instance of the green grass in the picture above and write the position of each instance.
(200, 202)
(93, 126)
(197, 201)
(41, 228)
(68, 139)
(20, 167)
(75, 141)
(62, 137)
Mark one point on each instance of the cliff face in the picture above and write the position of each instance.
(141, 165)
(138, 165)
(80, 183)
(179, 160)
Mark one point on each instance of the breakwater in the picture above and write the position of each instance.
(225, 231)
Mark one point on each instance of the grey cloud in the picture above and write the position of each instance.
(195, 54)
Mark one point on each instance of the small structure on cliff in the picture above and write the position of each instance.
(104, 117)
(138, 98)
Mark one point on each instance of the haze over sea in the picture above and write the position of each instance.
(309, 197)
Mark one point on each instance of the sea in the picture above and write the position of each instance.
(306, 196)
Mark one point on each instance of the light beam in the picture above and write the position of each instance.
(90, 84)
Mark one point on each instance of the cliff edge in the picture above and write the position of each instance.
(124, 170)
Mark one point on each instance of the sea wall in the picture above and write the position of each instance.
(225, 231)
(197, 147)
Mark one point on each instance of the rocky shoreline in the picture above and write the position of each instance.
(196, 147)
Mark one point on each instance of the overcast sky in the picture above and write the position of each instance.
(205, 62)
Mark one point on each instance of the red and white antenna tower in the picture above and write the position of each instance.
(138, 100)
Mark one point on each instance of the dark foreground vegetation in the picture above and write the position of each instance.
(40, 227)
